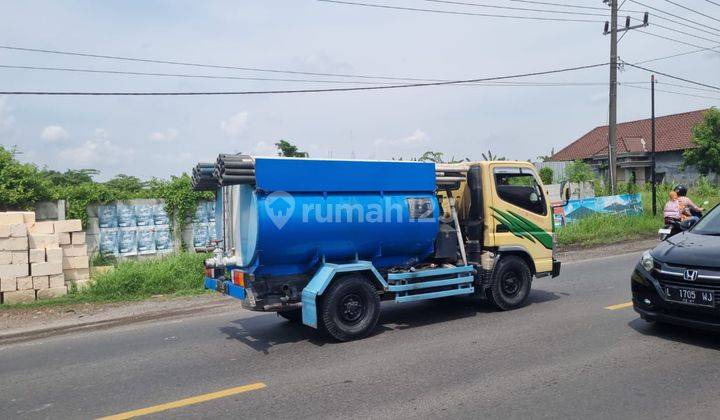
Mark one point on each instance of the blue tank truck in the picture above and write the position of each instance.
(323, 242)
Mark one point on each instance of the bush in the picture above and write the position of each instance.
(181, 272)
(546, 175)
(579, 171)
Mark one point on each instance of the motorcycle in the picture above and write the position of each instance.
(673, 227)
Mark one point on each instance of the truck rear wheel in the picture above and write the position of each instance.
(510, 287)
(350, 308)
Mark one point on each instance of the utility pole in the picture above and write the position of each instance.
(612, 29)
(612, 127)
(652, 113)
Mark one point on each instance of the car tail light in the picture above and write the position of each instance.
(238, 278)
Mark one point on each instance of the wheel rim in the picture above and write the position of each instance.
(510, 284)
(352, 308)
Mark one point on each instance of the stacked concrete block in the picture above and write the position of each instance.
(33, 260)
(14, 256)
(75, 259)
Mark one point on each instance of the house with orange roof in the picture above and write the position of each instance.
(673, 135)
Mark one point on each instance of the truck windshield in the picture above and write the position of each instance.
(710, 224)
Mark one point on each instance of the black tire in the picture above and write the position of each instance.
(293, 315)
(511, 283)
(350, 308)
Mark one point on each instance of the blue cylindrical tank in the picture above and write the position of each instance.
(304, 211)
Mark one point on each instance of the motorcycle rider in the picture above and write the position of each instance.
(691, 210)
(673, 209)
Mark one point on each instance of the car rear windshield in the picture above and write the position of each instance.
(710, 224)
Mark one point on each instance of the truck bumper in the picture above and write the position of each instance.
(225, 287)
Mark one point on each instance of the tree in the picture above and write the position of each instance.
(706, 138)
(545, 158)
(70, 177)
(579, 171)
(430, 156)
(287, 149)
(126, 183)
(491, 156)
(546, 175)
(21, 184)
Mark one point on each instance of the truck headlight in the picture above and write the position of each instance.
(647, 261)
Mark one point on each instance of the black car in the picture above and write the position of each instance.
(678, 282)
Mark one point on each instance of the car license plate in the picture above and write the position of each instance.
(700, 297)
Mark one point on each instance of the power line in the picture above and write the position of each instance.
(676, 93)
(684, 86)
(673, 15)
(692, 10)
(198, 76)
(448, 12)
(191, 64)
(677, 41)
(686, 33)
(716, 33)
(712, 2)
(348, 89)
(568, 5)
(463, 3)
(133, 73)
(713, 49)
(673, 77)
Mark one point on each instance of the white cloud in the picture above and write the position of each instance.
(263, 148)
(417, 137)
(54, 133)
(6, 118)
(165, 135)
(236, 124)
(98, 151)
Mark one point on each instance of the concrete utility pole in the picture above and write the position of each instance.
(612, 29)
(612, 123)
(652, 116)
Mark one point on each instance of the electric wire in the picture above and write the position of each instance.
(463, 3)
(675, 93)
(692, 10)
(713, 49)
(449, 12)
(673, 15)
(677, 41)
(672, 76)
(343, 89)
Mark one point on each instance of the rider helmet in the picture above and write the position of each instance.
(681, 190)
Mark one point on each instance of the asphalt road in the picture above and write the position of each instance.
(564, 355)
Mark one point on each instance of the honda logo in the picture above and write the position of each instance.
(690, 275)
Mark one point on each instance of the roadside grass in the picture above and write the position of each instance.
(604, 229)
(178, 274)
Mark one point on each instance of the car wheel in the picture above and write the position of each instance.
(511, 283)
(350, 308)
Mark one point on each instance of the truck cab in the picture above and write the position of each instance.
(322, 242)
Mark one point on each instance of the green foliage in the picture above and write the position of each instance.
(431, 156)
(608, 228)
(490, 156)
(706, 137)
(579, 171)
(70, 177)
(21, 184)
(287, 149)
(127, 183)
(175, 273)
(546, 175)
(180, 199)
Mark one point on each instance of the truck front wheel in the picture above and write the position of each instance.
(511, 282)
(350, 308)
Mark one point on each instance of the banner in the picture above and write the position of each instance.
(625, 204)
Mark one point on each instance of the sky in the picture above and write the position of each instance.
(160, 136)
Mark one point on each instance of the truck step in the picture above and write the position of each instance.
(431, 283)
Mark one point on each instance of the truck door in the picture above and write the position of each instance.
(520, 213)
